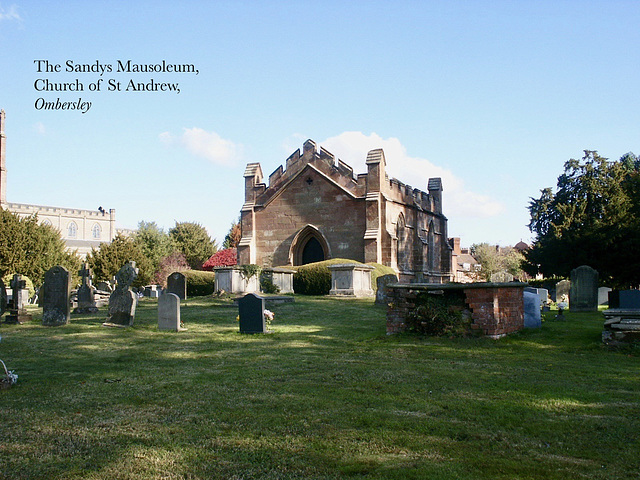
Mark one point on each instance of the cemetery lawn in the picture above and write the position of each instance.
(327, 395)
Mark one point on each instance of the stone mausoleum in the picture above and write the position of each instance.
(315, 209)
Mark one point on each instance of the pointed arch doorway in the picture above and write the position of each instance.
(309, 246)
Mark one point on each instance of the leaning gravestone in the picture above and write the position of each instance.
(122, 302)
(86, 294)
(381, 288)
(251, 309)
(55, 297)
(177, 283)
(583, 296)
(169, 312)
(532, 317)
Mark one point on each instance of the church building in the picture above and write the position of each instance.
(81, 229)
(316, 209)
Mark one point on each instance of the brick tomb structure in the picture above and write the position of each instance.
(497, 309)
(316, 209)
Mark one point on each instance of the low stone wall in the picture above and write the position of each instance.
(497, 309)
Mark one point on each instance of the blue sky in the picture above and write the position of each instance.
(491, 96)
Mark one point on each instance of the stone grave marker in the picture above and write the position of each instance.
(3, 298)
(381, 285)
(86, 295)
(562, 288)
(177, 283)
(17, 311)
(603, 295)
(122, 302)
(501, 277)
(169, 312)
(532, 318)
(583, 295)
(251, 309)
(56, 292)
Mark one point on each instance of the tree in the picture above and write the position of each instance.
(174, 262)
(232, 239)
(154, 242)
(494, 259)
(592, 219)
(194, 242)
(110, 257)
(30, 249)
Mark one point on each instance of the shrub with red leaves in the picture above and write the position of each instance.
(222, 258)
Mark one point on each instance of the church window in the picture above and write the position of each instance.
(72, 230)
(96, 231)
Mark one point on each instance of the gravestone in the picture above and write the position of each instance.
(501, 277)
(583, 295)
(562, 288)
(532, 317)
(17, 311)
(251, 310)
(122, 302)
(622, 319)
(56, 292)
(3, 298)
(86, 295)
(603, 295)
(104, 287)
(177, 283)
(381, 285)
(169, 312)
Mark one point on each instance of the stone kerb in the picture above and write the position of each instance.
(497, 309)
(232, 280)
(351, 279)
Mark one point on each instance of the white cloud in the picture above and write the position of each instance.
(10, 14)
(458, 199)
(205, 144)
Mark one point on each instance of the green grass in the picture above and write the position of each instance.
(328, 395)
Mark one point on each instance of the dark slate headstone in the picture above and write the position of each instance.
(583, 296)
(629, 299)
(177, 283)
(381, 287)
(56, 291)
(122, 302)
(251, 309)
(3, 298)
(603, 295)
(86, 294)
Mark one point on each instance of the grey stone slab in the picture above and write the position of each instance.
(532, 317)
(56, 292)
(583, 295)
(169, 312)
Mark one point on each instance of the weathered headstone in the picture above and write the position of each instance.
(17, 311)
(562, 289)
(583, 295)
(381, 285)
(532, 317)
(177, 283)
(56, 291)
(501, 277)
(122, 302)
(169, 312)
(251, 310)
(104, 287)
(86, 295)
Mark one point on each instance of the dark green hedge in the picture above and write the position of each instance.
(199, 283)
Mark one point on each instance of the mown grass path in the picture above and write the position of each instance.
(328, 395)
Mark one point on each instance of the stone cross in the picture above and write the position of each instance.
(86, 296)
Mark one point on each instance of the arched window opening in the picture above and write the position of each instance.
(96, 231)
(72, 230)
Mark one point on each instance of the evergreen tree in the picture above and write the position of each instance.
(194, 242)
(110, 257)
